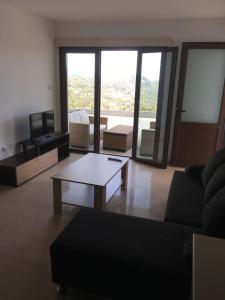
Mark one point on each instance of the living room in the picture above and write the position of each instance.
(30, 36)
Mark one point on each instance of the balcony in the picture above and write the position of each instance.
(115, 117)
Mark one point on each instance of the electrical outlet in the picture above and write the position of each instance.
(4, 149)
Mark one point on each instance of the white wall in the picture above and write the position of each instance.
(189, 30)
(179, 30)
(27, 72)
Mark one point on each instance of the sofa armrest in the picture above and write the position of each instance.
(79, 134)
(195, 171)
(103, 120)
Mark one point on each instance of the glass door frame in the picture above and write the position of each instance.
(164, 51)
(63, 51)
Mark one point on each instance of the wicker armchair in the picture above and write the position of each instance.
(148, 140)
(82, 131)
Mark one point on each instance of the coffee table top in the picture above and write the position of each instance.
(120, 129)
(92, 169)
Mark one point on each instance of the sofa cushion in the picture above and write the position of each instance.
(185, 202)
(213, 217)
(195, 171)
(217, 159)
(83, 115)
(216, 182)
(74, 117)
(122, 256)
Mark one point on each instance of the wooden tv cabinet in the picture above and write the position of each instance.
(43, 154)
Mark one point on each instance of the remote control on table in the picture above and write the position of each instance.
(115, 159)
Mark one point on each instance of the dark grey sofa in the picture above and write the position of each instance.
(191, 191)
(127, 257)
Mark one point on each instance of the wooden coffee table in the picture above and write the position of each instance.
(92, 169)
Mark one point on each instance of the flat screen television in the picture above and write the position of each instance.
(42, 123)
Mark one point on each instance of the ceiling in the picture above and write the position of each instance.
(123, 10)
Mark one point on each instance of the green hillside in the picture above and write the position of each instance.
(117, 96)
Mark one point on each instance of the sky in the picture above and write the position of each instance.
(116, 65)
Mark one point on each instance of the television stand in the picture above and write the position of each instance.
(40, 143)
(38, 155)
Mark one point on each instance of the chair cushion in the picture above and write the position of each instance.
(213, 217)
(185, 201)
(217, 159)
(74, 117)
(122, 256)
(83, 115)
(216, 182)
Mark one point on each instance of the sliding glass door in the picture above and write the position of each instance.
(153, 105)
(118, 101)
(81, 99)
(118, 73)
(79, 78)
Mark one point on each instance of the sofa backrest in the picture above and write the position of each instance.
(213, 217)
(216, 182)
(212, 165)
(84, 119)
(73, 117)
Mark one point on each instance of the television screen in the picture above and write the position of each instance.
(49, 121)
(41, 123)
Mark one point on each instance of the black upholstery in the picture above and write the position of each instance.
(186, 200)
(133, 258)
(217, 160)
(122, 256)
(192, 189)
(195, 171)
(216, 182)
(213, 217)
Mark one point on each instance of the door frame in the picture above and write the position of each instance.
(63, 51)
(186, 46)
(164, 50)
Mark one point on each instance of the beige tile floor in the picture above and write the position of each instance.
(28, 226)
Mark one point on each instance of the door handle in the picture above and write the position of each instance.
(180, 110)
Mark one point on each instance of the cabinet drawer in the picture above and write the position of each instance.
(35, 166)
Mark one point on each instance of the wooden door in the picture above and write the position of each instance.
(200, 111)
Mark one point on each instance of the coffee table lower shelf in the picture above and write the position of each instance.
(99, 192)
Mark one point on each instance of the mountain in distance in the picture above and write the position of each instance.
(117, 95)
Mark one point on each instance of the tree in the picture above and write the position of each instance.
(114, 96)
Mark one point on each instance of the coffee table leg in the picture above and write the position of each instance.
(57, 196)
(99, 197)
(124, 173)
